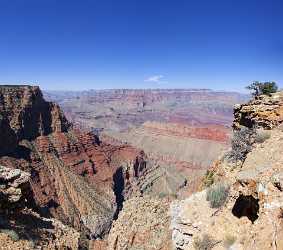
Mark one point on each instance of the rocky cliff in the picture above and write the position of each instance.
(74, 176)
(264, 111)
(29, 115)
(242, 209)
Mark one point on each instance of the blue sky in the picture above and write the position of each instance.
(219, 44)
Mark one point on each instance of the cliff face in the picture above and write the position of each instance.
(250, 216)
(24, 114)
(74, 176)
(265, 112)
(29, 115)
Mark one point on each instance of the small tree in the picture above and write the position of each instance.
(269, 87)
(262, 88)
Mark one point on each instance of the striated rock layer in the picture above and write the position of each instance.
(74, 176)
(120, 109)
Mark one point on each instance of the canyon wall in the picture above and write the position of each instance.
(75, 177)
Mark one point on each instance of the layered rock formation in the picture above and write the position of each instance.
(29, 115)
(121, 109)
(251, 215)
(178, 148)
(181, 130)
(74, 176)
(264, 111)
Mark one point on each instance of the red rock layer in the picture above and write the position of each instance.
(213, 133)
(72, 173)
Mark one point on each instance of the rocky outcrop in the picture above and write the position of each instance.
(251, 215)
(28, 114)
(14, 188)
(21, 228)
(142, 224)
(264, 111)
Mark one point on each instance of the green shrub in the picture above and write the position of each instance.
(11, 233)
(208, 178)
(229, 240)
(162, 195)
(204, 243)
(217, 195)
(261, 136)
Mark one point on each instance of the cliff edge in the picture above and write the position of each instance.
(241, 206)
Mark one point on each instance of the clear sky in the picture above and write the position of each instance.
(66, 44)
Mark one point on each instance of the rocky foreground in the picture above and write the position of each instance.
(250, 214)
(22, 228)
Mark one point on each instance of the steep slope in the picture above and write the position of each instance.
(74, 176)
(251, 215)
(178, 148)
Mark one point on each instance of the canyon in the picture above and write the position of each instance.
(181, 130)
(141, 184)
(74, 177)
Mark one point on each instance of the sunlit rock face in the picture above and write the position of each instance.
(251, 215)
(71, 173)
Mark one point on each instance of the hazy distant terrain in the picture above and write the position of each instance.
(120, 109)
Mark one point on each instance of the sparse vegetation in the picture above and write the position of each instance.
(11, 233)
(174, 195)
(162, 195)
(204, 243)
(208, 178)
(241, 144)
(229, 241)
(217, 195)
(261, 136)
(262, 88)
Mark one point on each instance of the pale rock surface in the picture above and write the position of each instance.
(251, 217)
(142, 224)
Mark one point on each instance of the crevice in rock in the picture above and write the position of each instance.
(118, 188)
(246, 205)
